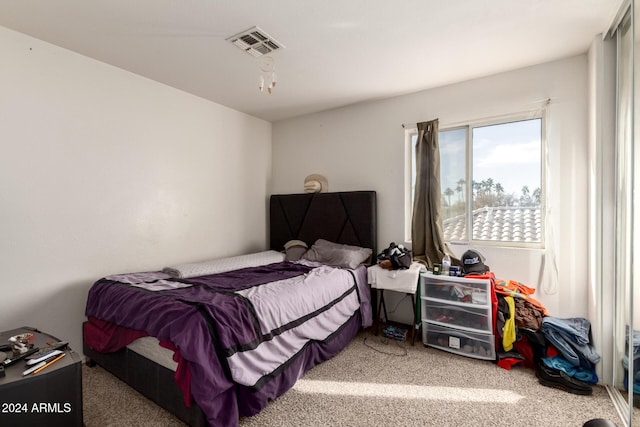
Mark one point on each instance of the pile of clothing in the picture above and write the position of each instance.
(558, 349)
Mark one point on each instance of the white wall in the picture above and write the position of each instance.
(102, 172)
(360, 147)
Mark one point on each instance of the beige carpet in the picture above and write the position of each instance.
(377, 382)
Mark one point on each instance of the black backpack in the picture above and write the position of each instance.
(399, 256)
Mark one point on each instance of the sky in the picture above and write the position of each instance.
(509, 153)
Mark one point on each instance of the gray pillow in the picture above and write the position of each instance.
(336, 254)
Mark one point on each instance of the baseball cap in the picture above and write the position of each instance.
(473, 262)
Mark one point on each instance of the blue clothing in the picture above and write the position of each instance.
(571, 338)
(575, 328)
(635, 339)
(636, 360)
(636, 369)
(561, 364)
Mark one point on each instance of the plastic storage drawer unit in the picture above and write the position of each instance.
(457, 315)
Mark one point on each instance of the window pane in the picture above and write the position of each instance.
(452, 183)
(507, 181)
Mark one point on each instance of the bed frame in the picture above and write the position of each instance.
(342, 217)
(348, 217)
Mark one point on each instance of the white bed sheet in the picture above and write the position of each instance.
(150, 348)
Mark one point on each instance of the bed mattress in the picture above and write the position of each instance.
(149, 347)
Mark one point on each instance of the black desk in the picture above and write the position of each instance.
(52, 397)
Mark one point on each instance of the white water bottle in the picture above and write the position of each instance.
(446, 263)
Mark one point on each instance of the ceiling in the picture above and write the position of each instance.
(335, 52)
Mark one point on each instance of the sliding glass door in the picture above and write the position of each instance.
(627, 219)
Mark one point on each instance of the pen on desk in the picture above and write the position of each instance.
(49, 363)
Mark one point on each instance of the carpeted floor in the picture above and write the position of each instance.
(377, 382)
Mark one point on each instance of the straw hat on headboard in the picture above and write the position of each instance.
(315, 183)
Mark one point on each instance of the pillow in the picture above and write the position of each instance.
(294, 249)
(222, 265)
(336, 254)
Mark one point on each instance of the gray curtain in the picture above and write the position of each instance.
(427, 237)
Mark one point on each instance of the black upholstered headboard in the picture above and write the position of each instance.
(343, 217)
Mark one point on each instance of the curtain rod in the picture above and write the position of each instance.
(545, 102)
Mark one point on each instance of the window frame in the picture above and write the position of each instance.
(411, 133)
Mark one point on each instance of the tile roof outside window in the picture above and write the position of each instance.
(513, 224)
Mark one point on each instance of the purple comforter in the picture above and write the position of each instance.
(240, 327)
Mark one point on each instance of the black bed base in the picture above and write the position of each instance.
(153, 381)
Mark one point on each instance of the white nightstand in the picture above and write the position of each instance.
(405, 281)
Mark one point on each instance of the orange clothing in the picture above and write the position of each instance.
(519, 290)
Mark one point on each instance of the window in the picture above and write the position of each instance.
(491, 179)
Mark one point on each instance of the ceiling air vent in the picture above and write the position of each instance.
(255, 42)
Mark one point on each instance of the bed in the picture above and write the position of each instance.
(216, 347)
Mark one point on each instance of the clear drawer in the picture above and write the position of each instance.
(467, 316)
(470, 344)
(458, 289)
